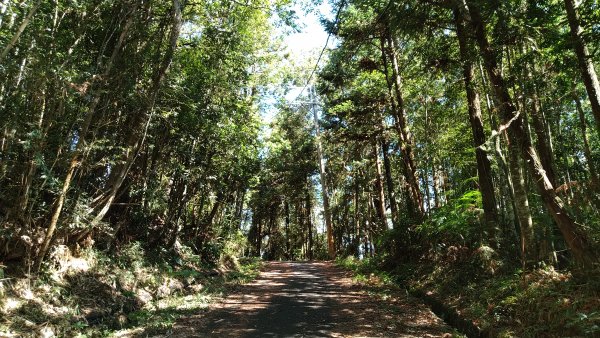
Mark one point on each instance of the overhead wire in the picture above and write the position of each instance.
(336, 23)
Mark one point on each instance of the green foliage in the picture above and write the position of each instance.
(132, 255)
(459, 221)
(161, 132)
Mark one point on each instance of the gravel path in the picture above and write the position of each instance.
(313, 299)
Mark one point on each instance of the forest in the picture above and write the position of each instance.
(155, 156)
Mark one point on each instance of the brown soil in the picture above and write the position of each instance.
(313, 299)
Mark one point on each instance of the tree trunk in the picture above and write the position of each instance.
(586, 66)
(406, 138)
(239, 211)
(522, 209)
(28, 176)
(587, 151)
(425, 182)
(323, 176)
(135, 140)
(379, 190)
(390, 183)
(531, 101)
(415, 203)
(484, 167)
(308, 218)
(435, 186)
(573, 233)
(508, 188)
(287, 231)
(544, 143)
(258, 236)
(357, 227)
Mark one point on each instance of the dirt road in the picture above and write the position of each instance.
(313, 299)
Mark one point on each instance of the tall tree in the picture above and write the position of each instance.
(323, 175)
(484, 167)
(586, 65)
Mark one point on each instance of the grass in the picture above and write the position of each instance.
(129, 294)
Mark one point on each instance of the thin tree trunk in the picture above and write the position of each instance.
(380, 192)
(435, 186)
(389, 183)
(287, 230)
(32, 166)
(544, 144)
(308, 217)
(523, 211)
(301, 221)
(136, 141)
(425, 180)
(323, 176)
(366, 226)
(356, 216)
(239, 212)
(258, 236)
(502, 163)
(587, 151)
(394, 86)
(407, 143)
(426, 154)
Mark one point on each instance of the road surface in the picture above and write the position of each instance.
(311, 299)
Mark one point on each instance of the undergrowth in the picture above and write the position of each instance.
(502, 303)
(131, 293)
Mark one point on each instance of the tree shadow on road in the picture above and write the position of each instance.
(310, 300)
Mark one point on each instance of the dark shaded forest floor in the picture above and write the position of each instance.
(311, 299)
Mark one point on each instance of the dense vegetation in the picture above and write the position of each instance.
(516, 175)
(436, 136)
(128, 121)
